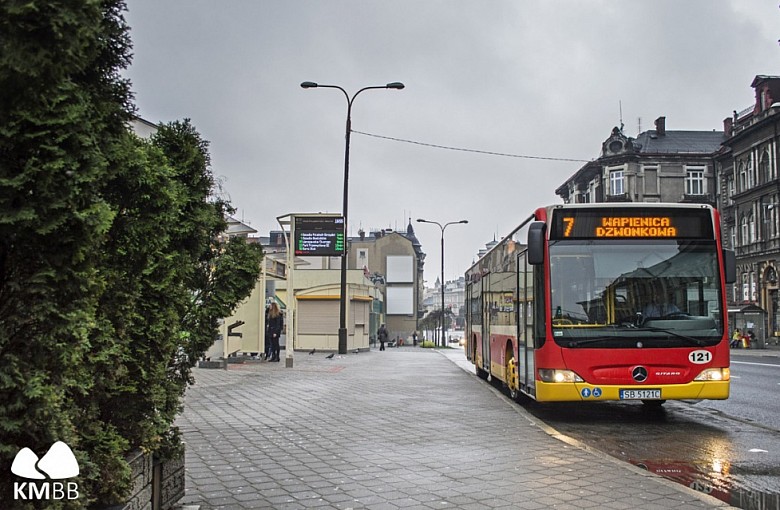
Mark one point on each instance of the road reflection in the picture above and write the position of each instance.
(699, 448)
(698, 478)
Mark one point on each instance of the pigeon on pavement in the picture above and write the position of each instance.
(330, 356)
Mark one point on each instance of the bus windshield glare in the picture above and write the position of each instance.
(617, 293)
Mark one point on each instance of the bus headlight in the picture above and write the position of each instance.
(559, 376)
(714, 374)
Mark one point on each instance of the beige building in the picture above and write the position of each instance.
(243, 331)
(317, 296)
(394, 261)
(384, 285)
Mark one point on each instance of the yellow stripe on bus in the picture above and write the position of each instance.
(568, 392)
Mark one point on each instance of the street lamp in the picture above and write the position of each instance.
(343, 298)
(442, 227)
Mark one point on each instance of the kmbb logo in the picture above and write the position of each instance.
(58, 463)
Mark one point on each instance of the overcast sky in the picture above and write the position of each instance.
(538, 78)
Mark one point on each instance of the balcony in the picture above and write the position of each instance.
(618, 198)
(758, 248)
(749, 117)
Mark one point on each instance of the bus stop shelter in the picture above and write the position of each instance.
(750, 318)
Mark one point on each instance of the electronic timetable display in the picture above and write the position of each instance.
(631, 223)
(319, 235)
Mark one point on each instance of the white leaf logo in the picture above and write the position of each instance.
(58, 463)
(24, 465)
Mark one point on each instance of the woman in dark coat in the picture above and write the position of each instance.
(274, 326)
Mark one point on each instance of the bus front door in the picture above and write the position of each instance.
(485, 327)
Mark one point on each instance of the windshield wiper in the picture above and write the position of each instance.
(586, 341)
(695, 341)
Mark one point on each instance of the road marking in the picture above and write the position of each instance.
(757, 364)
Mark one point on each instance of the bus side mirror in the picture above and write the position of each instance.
(730, 266)
(536, 231)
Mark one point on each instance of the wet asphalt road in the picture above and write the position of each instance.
(755, 387)
(729, 449)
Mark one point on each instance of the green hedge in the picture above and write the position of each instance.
(113, 274)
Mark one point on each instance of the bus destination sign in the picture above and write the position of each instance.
(319, 236)
(624, 223)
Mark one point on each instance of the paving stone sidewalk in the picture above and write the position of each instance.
(400, 429)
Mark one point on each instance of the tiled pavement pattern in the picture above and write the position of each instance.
(403, 428)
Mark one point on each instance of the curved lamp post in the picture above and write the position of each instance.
(442, 227)
(343, 297)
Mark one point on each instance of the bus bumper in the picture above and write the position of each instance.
(584, 392)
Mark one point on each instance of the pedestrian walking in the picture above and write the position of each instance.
(382, 335)
(414, 338)
(274, 324)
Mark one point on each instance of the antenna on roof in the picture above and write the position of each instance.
(639, 125)
(620, 104)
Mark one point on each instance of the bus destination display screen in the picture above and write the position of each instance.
(319, 236)
(631, 223)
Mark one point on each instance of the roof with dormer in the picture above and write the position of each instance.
(679, 142)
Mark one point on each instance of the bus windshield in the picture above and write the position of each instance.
(635, 293)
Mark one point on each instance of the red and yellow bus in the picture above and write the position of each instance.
(591, 302)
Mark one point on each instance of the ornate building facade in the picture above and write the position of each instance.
(749, 201)
(658, 165)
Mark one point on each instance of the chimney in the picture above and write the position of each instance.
(660, 126)
(728, 126)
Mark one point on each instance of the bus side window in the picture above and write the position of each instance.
(537, 289)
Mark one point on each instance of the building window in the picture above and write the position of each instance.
(616, 182)
(753, 293)
(651, 180)
(743, 240)
(694, 181)
(751, 173)
(763, 167)
(751, 228)
(592, 193)
(730, 189)
(742, 177)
